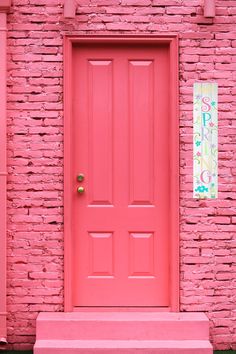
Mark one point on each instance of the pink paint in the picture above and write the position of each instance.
(122, 332)
(128, 347)
(69, 8)
(4, 7)
(122, 325)
(35, 156)
(121, 197)
(209, 8)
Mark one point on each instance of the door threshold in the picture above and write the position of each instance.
(120, 309)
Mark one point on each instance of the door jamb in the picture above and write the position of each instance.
(172, 40)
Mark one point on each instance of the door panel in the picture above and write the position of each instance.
(141, 132)
(100, 131)
(120, 143)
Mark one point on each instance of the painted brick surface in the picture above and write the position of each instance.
(35, 153)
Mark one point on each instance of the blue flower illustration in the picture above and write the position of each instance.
(198, 142)
(201, 189)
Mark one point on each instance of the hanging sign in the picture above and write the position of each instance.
(205, 140)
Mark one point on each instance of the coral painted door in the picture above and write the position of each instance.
(120, 220)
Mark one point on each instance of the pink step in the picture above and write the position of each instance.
(122, 332)
(122, 326)
(122, 346)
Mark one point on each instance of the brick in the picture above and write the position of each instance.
(35, 153)
(136, 2)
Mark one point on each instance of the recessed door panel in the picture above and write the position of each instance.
(141, 131)
(100, 102)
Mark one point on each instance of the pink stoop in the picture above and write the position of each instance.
(122, 332)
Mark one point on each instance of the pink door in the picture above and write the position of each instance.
(120, 222)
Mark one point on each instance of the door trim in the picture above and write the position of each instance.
(172, 41)
(4, 8)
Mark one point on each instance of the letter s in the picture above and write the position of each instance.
(206, 107)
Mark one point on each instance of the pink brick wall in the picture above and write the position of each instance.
(35, 153)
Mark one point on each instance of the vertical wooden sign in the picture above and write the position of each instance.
(205, 140)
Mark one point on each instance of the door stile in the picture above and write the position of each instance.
(175, 173)
(68, 269)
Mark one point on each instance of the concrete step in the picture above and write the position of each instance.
(122, 326)
(122, 346)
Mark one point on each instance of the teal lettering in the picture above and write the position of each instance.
(206, 116)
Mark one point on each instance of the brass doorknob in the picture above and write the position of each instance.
(80, 190)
